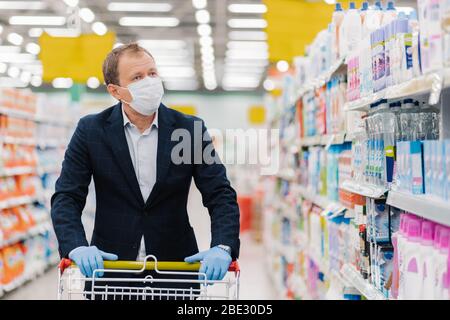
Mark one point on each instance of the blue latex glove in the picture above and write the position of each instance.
(215, 263)
(89, 259)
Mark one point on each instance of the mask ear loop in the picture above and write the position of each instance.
(123, 101)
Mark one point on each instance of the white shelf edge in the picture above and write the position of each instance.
(358, 282)
(366, 190)
(14, 202)
(422, 205)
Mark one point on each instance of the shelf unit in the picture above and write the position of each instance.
(17, 201)
(350, 274)
(41, 119)
(324, 140)
(367, 190)
(425, 206)
(425, 84)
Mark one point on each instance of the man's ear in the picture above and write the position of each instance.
(114, 91)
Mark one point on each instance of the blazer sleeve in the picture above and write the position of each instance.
(218, 196)
(71, 190)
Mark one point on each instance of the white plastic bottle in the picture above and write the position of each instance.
(372, 20)
(336, 22)
(440, 292)
(412, 266)
(401, 241)
(389, 15)
(353, 29)
(427, 257)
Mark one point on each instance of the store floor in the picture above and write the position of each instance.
(255, 282)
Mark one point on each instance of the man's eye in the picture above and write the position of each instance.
(137, 78)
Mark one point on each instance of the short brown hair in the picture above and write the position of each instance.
(110, 72)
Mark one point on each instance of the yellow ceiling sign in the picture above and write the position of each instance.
(78, 58)
(189, 110)
(293, 24)
(256, 114)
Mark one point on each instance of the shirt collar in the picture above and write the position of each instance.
(127, 121)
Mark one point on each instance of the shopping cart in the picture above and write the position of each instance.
(72, 285)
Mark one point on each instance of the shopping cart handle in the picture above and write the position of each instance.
(135, 265)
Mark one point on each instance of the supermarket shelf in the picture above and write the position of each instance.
(16, 171)
(323, 78)
(55, 143)
(34, 231)
(323, 140)
(414, 87)
(367, 190)
(37, 271)
(363, 286)
(425, 206)
(321, 201)
(18, 201)
(28, 116)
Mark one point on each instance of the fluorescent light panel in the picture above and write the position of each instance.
(261, 45)
(22, 5)
(247, 23)
(166, 44)
(37, 20)
(149, 22)
(182, 72)
(247, 8)
(248, 35)
(10, 49)
(139, 7)
(17, 57)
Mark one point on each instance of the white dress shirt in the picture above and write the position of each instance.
(143, 151)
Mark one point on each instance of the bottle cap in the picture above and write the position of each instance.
(428, 232)
(413, 15)
(378, 5)
(338, 7)
(390, 5)
(364, 6)
(414, 226)
(352, 5)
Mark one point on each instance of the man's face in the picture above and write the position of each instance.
(132, 67)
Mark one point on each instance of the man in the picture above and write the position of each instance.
(141, 195)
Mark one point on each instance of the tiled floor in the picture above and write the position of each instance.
(255, 283)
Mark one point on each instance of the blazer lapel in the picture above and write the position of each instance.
(163, 161)
(115, 135)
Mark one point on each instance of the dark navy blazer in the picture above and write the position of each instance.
(99, 149)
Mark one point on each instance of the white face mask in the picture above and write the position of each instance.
(146, 95)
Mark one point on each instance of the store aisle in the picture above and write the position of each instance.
(255, 283)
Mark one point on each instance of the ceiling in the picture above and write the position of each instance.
(190, 39)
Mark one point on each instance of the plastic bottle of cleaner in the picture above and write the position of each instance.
(337, 20)
(412, 263)
(401, 240)
(395, 271)
(428, 261)
(414, 27)
(441, 265)
(353, 29)
(363, 11)
(389, 15)
(372, 20)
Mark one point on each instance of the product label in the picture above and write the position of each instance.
(378, 66)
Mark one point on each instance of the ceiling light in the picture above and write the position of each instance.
(15, 38)
(262, 45)
(25, 76)
(17, 57)
(269, 85)
(248, 35)
(35, 32)
(181, 84)
(36, 81)
(246, 62)
(182, 72)
(207, 50)
(202, 16)
(139, 7)
(206, 41)
(247, 8)
(3, 67)
(93, 82)
(62, 83)
(13, 72)
(22, 5)
(8, 82)
(87, 15)
(37, 20)
(211, 86)
(34, 68)
(62, 32)
(244, 69)
(282, 66)
(247, 23)
(149, 22)
(1, 28)
(99, 28)
(165, 44)
(33, 48)
(199, 4)
(208, 58)
(10, 49)
(204, 30)
(71, 3)
(247, 54)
